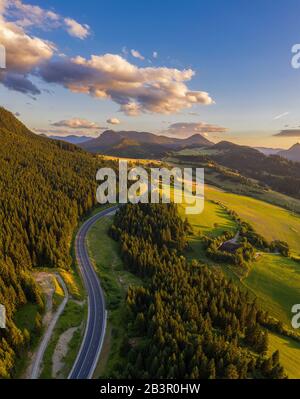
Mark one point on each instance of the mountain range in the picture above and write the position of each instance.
(134, 144)
(292, 154)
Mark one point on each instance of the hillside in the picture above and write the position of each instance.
(212, 328)
(272, 279)
(140, 144)
(45, 187)
(271, 171)
(292, 154)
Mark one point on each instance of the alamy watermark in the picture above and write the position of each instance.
(2, 57)
(2, 317)
(296, 317)
(153, 185)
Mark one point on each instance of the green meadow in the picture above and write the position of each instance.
(275, 280)
(272, 222)
(289, 353)
(213, 221)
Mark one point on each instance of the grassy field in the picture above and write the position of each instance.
(132, 161)
(213, 221)
(289, 353)
(114, 280)
(272, 222)
(276, 282)
(253, 190)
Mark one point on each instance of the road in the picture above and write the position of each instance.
(91, 346)
(36, 368)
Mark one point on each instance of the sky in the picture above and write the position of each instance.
(173, 67)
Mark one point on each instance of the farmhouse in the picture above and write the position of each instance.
(229, 246)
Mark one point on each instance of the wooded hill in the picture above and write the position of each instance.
(45, 187)
(186, 321)
(271, 171)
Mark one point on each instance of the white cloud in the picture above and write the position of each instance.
(76, 29)
(113, 121)
(23, 54)
(3, 6)
(136, 90)
(27, 15)
(108, 76)
(155, 54)
(281, 115)
(77, 123)
(131, 109)
(187, 129)
(137, 54)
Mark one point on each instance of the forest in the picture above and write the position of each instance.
(45, 188)
(186, 320)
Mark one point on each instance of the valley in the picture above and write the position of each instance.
(149, 197)
(268, 277)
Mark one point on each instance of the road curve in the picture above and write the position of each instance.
(90, 349)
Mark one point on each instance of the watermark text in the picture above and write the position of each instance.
(154, 185)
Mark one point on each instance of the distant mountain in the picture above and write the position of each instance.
(134, 144)
(293, 154)
(268, 151)
(71, 139)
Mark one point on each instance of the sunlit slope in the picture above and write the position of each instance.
(273, 279)
(276, 281)
(272, 222)
(212, 221)
(289, 353)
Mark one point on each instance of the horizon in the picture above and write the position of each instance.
(72, 134)
(85, 68)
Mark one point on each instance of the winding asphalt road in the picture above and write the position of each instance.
(91, 346)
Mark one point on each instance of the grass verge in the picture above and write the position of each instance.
(104, 252)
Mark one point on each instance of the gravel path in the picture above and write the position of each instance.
(36, 369)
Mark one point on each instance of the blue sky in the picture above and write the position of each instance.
(240, 52)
